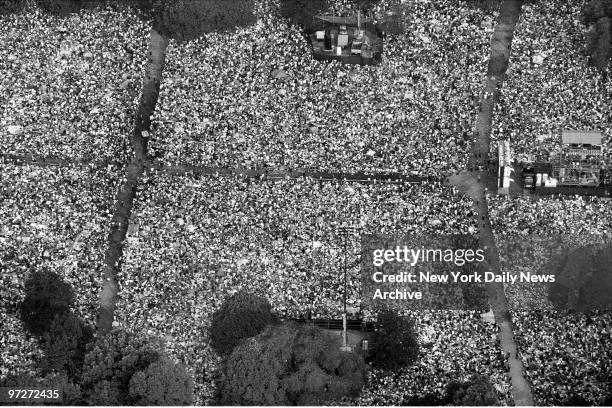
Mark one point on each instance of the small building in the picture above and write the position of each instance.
(352, 40)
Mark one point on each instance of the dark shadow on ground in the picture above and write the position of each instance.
(584, 279)
(186, 20)
(302, 12)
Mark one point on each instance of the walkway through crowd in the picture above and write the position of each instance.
(127, 193)
(473, 184)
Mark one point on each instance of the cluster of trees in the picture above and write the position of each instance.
(268, 362)
(265, 361)
(290, 364)
(597, 14)
(476, 391)
(122, 368)
(117, 368)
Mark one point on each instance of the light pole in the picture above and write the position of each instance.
(345, 231)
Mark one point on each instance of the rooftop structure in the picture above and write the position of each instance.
(352, 40)
(581, 137)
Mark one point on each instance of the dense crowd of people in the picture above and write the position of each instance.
(566, 355)
(460, 344)
(69, 85)
(550, 85)
(196, 239)
(256, 98)
(561, 215)
(278, 238)
(55, 219)
(18, 352)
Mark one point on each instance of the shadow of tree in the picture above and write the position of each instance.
(584, 279)
(46, 313)
(185, 20)
(302, 12)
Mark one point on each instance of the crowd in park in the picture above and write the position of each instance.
(280, 238)
(70, 85)
(69, 88)
(195, 240)
(567, 356)
(575, 215)
(550, 84)
(454, 345)
(57, 219)
(260, 88)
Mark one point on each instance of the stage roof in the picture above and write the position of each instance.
(591, 137)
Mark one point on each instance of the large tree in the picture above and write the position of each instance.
(110, 363)
(290, 364)
(162, 383)
(241, 316)
(302, 12)
(185, 20)
(476, 391)
(597, 14)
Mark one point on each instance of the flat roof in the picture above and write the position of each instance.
(592, 137)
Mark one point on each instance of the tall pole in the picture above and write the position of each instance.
(345, 256)
(345, 230)
(344, 341)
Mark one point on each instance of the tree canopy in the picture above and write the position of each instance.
(290, 364)
(598, 14)
(241, 316)
(162, 383)
(185, 20)
(110, 363)
(477, 391)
